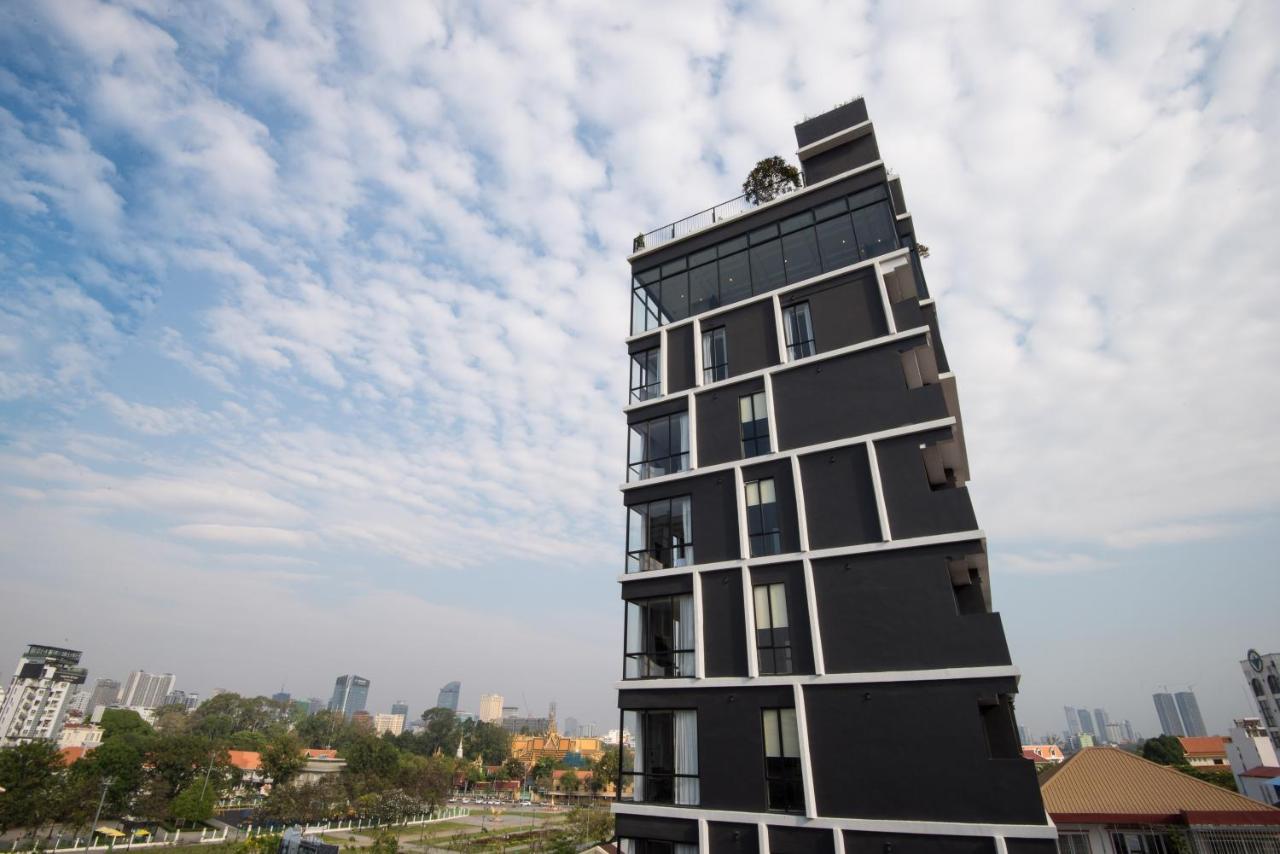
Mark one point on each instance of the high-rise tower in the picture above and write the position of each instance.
(350, 695)
(36, 701)
(805, 584)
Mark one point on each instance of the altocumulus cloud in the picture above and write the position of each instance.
(339, 288)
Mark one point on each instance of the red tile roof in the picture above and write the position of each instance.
(245, 760)
(1264, 771)
(320, 753)
(1203, 745)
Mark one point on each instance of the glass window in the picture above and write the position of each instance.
(658, 446)
(797, 222)
(715, 356)
(800, 255)
(675, 297)
(754, 418)
(645, 309)
(782, 769)
(831, 209)
(798, 329)
(664, 765)
(704, 288)
(763, 235)
(773, 630)
(762, 518)
(836, 243)
(660, 534)
(874, 227)
(735, 278)
(646, 379)
(660, 638)
(767, 269)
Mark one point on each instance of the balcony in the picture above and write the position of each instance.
(697, 222)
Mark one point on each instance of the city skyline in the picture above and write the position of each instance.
(319, 332)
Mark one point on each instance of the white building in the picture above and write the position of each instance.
(393, 724)
(1262, 673)
(87, 736)
(490, 707)
(1253, 759)
(36, 702)
(145, 690)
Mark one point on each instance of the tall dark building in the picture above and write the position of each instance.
(350, 695)
(448, 696)
(807, 607)
(1167, 711)
(1189, 711)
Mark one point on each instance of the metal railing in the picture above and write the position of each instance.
(702, 219)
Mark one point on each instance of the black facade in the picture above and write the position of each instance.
(811, 661)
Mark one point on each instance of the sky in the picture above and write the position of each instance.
(311, 322)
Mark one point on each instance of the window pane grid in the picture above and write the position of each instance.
(764, 533)
(754, 418)
(659, 446)
(646, 381)
(847, 231)
(798, 328)
(784, 779)
(660, 638)
(773, 634)
(659, 534)
(715, 356)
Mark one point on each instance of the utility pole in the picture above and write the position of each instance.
(93, 831)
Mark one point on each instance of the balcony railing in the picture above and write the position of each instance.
(702, 219)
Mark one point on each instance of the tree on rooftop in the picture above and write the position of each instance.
(770, 178)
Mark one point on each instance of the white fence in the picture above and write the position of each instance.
(212, 835)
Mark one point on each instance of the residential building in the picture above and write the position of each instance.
(78, 705)
(87, 736)
(361, 719)
(383, 723)
(1109, 801)
(806, 588)
(178, 697)
(1208, 752)
(490, 708)
(1045, 752)
(401, 709)
(1167, 711)
(35, 703)
(1262, 673)
(1189, 711)
(1253, 759)
(144, 690)
(350, 694)
(448, 696)
(1086, 722)
(315, 704)
(1116, 733)
(282, 697)
(526, 725)
(510, 711)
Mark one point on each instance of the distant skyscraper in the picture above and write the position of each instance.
(1086, 721)
(1115, 733)
(448, 698)
(36, 702)
(1189, 711)
(105, 693)
(490, 708)
(281, 697)
(1167, 710)
(314, 704)
(1023, 736)
(1129, 734)
(1073, 720)
(399, 708)
(1101, 720)
(144, 690)
(570, 727)
(350, 695)
(383, 723)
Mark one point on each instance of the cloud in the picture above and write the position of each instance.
(347, 285)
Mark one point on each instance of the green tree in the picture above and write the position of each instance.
(120, 722)
(195, 802)
(29, 774)
(283, 759)
(384, 842)
(491, 743)
(425, 780)
(175, 761)
(119, 761)
(247, 739)
(1224, 779)
(543, 769)
(569, 781)
(367, 754)
(1164, 750)
(771, 177)
(605, 769)
(442, 731)
(513, 769)
(587, 825)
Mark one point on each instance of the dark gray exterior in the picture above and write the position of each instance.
(869, 559)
